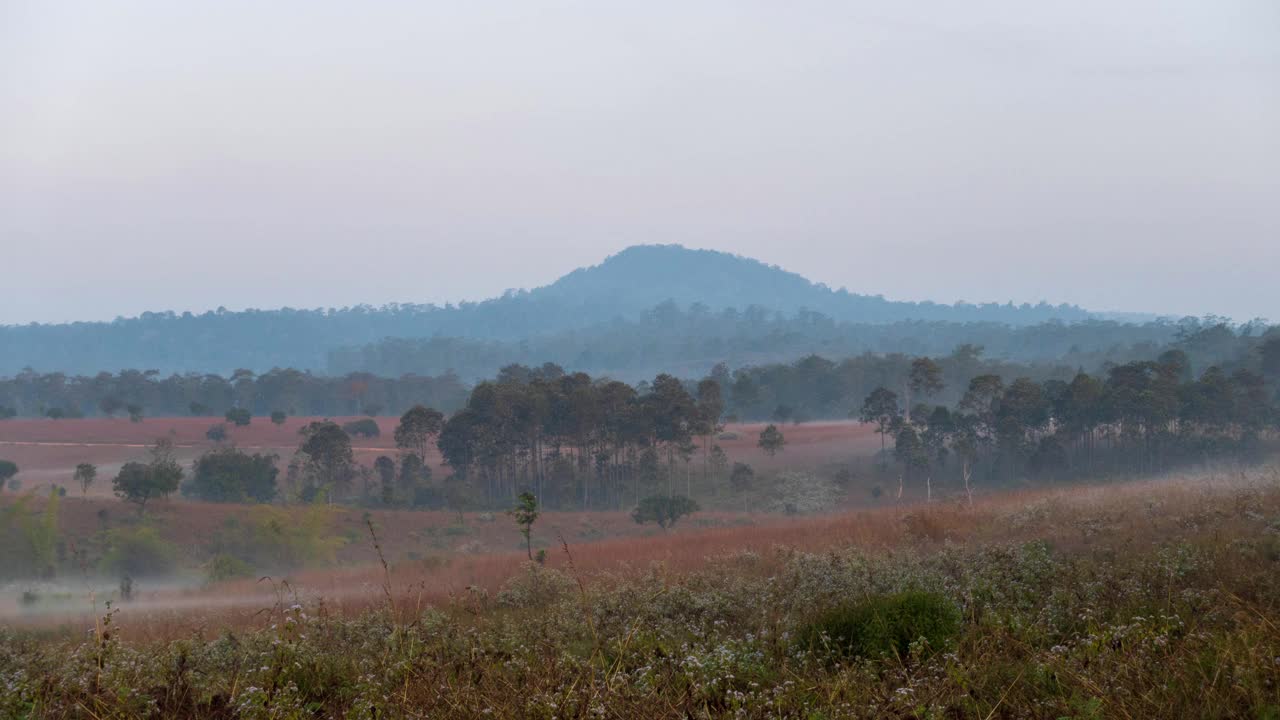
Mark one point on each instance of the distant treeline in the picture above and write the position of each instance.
(1140, 417)
(689, 341)
(475, 340)
(810, 388)
(291, 391)
(578, 441)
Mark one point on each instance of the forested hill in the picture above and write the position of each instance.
(644, 276)
(622, 288)
(688, 342)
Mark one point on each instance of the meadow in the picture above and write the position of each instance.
(48, 450)
(1154, 598)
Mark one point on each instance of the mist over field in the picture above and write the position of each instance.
(565, 360)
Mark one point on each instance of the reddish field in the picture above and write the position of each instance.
(47, 451)
(177, 611)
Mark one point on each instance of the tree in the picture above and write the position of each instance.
(881, 408)
(965, 443)
(525, 513)
(924, 377)
(7, 470)
(741, 477)
(278, 417)
(239, 416)
(229, 475)
(84, 476)
(139, 482)
(413, 474)
(216, 432)
(328, 463)
(385, 467)
(719, 461)
(771, 440)
(663, 509)
(135, 412)
(1269, 351)
(418, 425)
(110, 405)
(710, 408)
(783, 413)
(910, 451)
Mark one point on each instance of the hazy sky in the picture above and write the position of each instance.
(185, 155)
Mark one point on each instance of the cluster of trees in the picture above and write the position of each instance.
(1139, 417)
(140, 483)
(810, 388)
(575, 441)
(324, 468)
(238, 396)
(578, 442)
(814, 387)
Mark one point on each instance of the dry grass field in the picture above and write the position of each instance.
(1147, 599)
(48, 450)
(434, 559)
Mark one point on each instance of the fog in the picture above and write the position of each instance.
(194, 155)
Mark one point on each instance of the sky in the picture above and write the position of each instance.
(161, 155)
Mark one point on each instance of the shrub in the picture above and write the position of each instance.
(364, 427)
(138, 552)
(882, 625)
(8, 469)
(537, 587)
(229, 475)
(239, 416)
(226, 567)
(278, 417)
(663, 510)
(216, 432)
(29, 538)
(274, 539)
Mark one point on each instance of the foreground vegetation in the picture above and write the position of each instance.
(1159, 600)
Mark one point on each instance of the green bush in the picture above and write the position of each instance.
(883, 625)
(139, 552)
(272, 539)
(28, 538)
(227, 567)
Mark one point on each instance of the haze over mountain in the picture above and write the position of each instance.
(643, 276)
(584, 302)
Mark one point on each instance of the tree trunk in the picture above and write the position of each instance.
(968, 490)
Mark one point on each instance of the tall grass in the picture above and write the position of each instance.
(1141, 601)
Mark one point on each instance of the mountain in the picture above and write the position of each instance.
(621, 288)
(644, 276)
